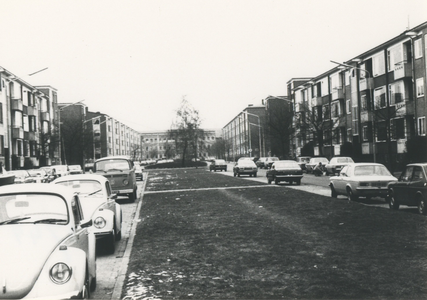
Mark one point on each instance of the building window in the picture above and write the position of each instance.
(1, 113)
(420, 87)
(365, 133)
(397, 128)
(381, 131)
(335, 109)
(422, 126)
(349, 137)
(397, 92)
(364, 102)
(394, 56)
(379, 98)
(326, 112)
(378, 65)
(355, 127)
(1, 145)
(32, 123)
(418, 48)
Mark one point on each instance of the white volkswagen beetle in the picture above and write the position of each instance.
(99, 204)
(47, 251)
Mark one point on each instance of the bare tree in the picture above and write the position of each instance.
(186, 131)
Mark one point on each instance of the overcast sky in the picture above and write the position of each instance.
(136, 60)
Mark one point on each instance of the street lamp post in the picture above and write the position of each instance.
(347, 66)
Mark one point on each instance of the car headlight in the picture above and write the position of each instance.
(99, 222)
(125, 182)
(60, 273)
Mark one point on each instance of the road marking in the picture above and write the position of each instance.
(209, 189)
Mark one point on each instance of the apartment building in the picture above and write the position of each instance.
(87, 136)
(28, 128)
(159, 144)
(368, 107)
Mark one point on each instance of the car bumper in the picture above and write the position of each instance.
(246, 171)
(372, 191)
(123, 192)
(287, 177)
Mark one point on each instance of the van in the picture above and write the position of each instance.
(120, 172)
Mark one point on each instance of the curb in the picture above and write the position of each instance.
(118, 286)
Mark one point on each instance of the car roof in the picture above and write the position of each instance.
(423, 164)
(43, 188)
(96, 177)
(365, 164)
(112, 157)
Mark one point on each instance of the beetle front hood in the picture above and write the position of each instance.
(90, 205)
(23, 252)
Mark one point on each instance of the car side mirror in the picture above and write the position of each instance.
(85, 224)
(113, 196)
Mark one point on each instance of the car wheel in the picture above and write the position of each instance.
(392, 203)
(276, 181)
(298, 182)
(333, 192)
(85, 292)
(422, 206)
(254, 174)
(238, 175)
(234, 174)
(269, 180)
(118, 236)
(351, 196)
(250, 175)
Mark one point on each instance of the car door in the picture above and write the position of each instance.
(416, 185)
(80, 238)
(111, 201)
(401, 186)
(340, 181)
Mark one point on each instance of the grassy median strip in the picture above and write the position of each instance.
(258, 243)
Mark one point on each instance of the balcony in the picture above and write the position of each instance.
(18, 133)
(316, 101)
(402, 70)
(337, 93)
(366, 84)
(30, 136)
(17, 104)
(31, 111)
(45, 116)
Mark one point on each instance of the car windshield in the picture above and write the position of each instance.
(304, 159)
(35, 173)
(220, 162)
(371, 170)
(75, 168)
(85, 188)
(61, 168)
(23, 208)
(273, 158)
(113, 164)
(319, 159)
(344, 160)
(286, 164)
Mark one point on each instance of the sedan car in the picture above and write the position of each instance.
(410, 189)
(260, 163)
(39, 175)
(336, 164)
(22, 176)
(285, 170)
(48, 251)
(361, 180)
(269, 162)
(99, 204)
(245, 167)
(218, 164)
(75, 169)
(315, 161)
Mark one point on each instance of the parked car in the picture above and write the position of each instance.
(361, 180)
(336, 164)
(75, 169)
(99, 203)
(22, 176)
(302, 161)
(138, 172)
(61, 170)
(410, 189)
(218, 164)
(285, 170)
(39, 175)
(261, 162)
(269, 161)
(120, 171)
(245, 167)
(50, 251)
(315, 161)
(51, 172)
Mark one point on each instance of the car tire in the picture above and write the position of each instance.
(276, 181)
(422, 206)
(298, 182)
(254, 174)
(269, 180)
(238, 174)
(351, 196)
(85, 292)
(392, 203)
(333, 192)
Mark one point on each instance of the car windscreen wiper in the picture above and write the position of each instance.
(97, 191)
(11, 221)
(49, 220)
